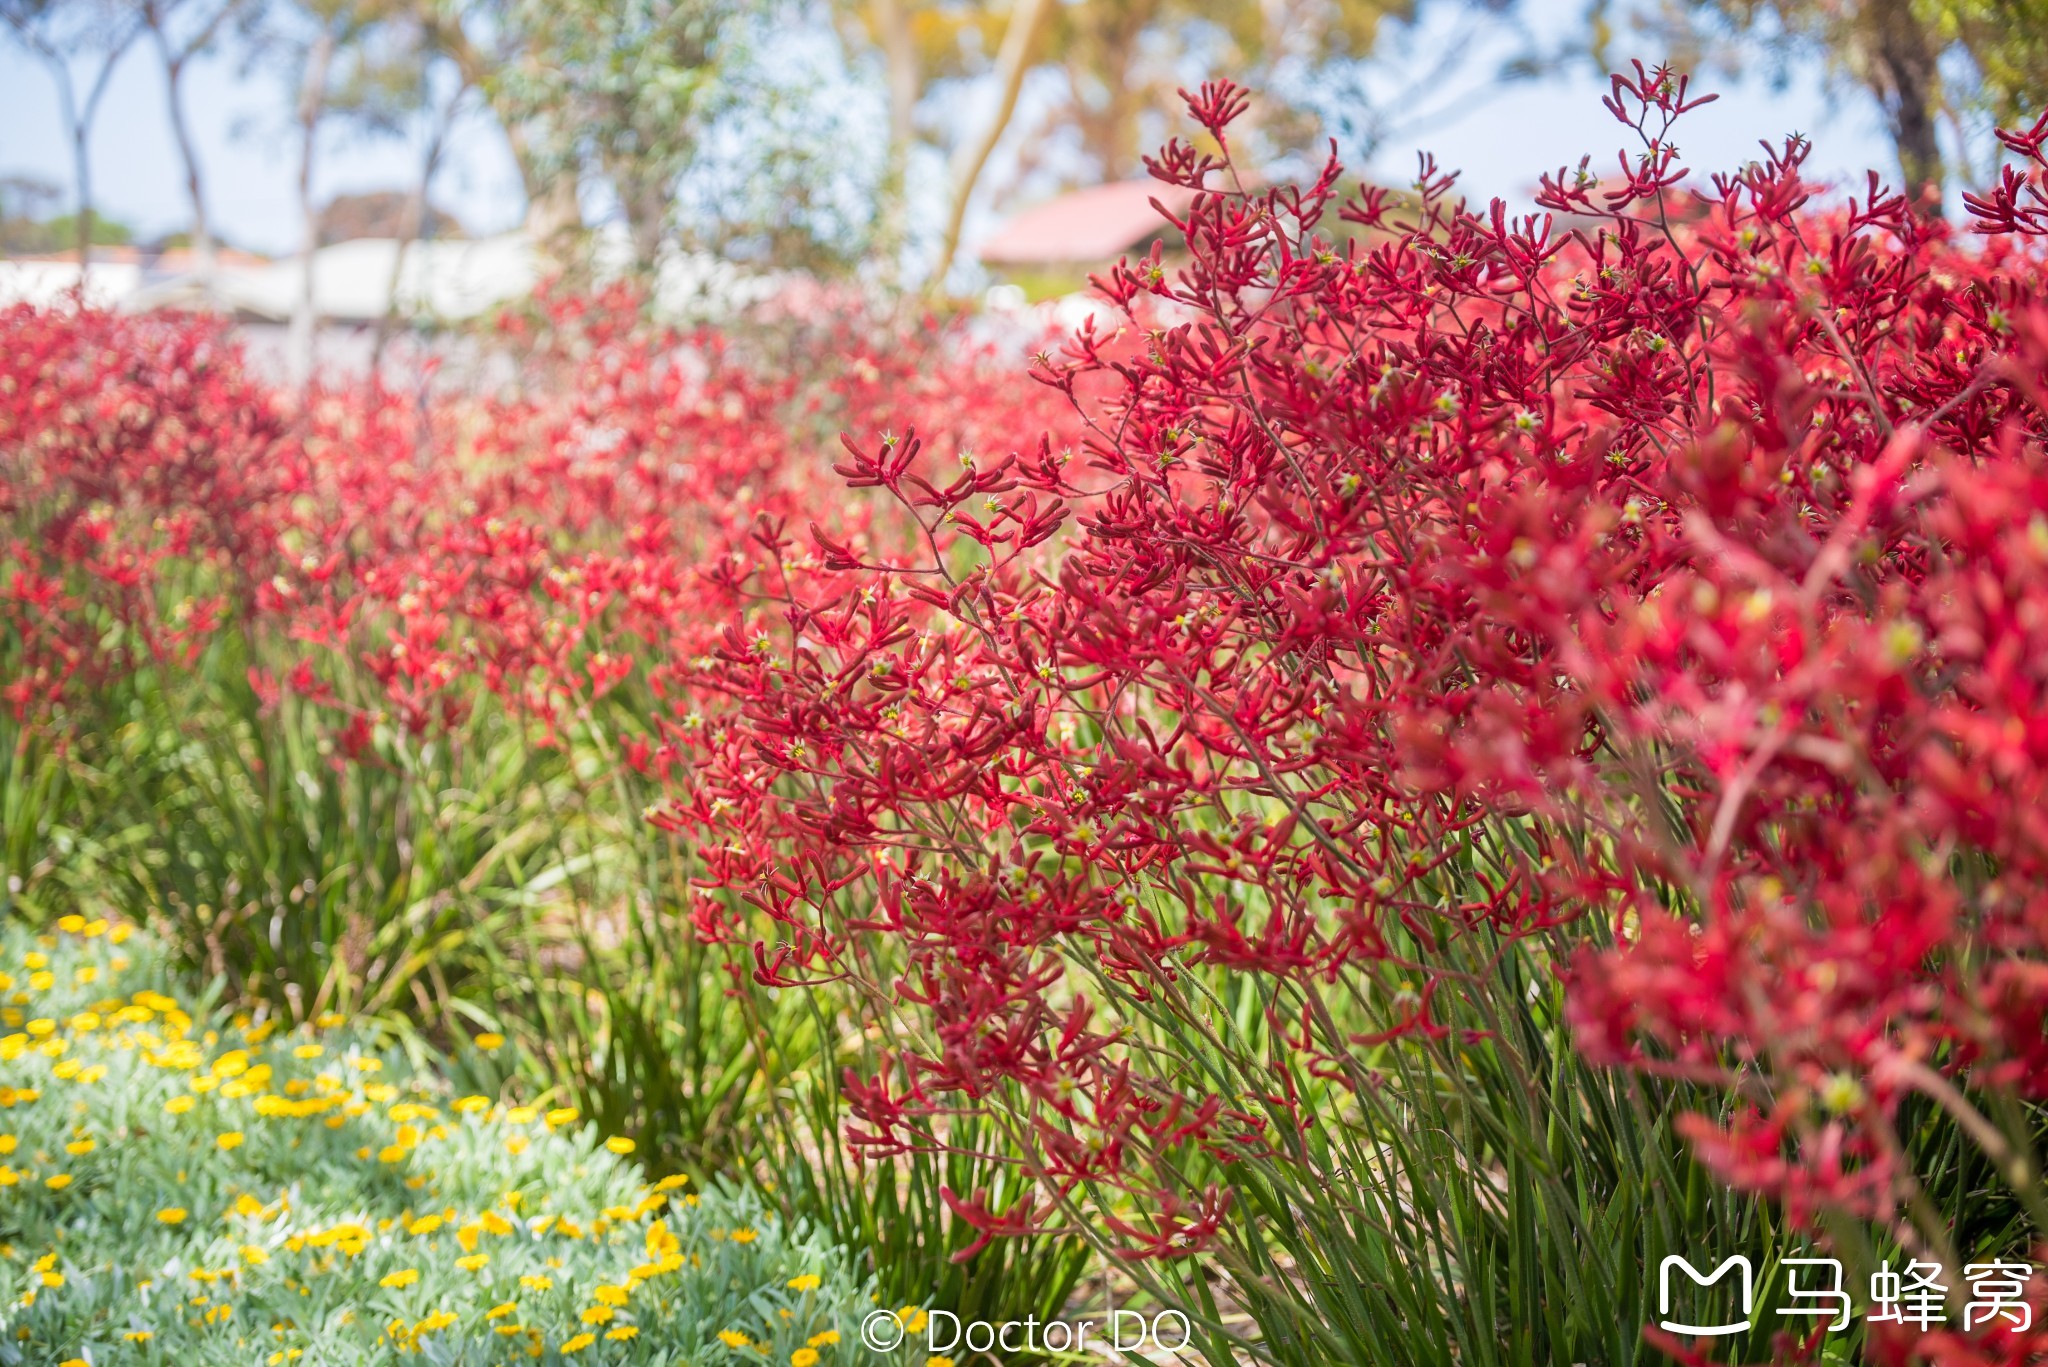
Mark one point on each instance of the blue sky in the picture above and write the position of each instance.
(1500, 141)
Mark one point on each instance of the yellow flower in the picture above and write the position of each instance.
(804, 1357)
(672, 1182)
(405, 1276)
(521, 1115)
(744, 1236)
(472, 1105)
(254, 1256)
(829, 1336)
(938, 1362)
(618, 1143)
(913, 1319)
(74, 1362)
(490, 1041)
(79, 1147)
(578, 1344)
(733, 1338)
(808, 1282)
(562, 1115)
(172, 1215)
(7, 1144)
(231, 1140)
(308, 1051)
(475, 1262)
(621, 1333)
(57, 1181)
(498, 1312)
(534, 1283)
(139, 1335)
(392, 1153)
(178, 1105)
(598, 1314)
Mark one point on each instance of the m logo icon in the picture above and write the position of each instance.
(1737, 1262)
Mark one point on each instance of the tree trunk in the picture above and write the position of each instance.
(899, 57)
(1111, 51)
(202, 231)
(312, 102)
(1013, 60)
(1903, 61)
(81, 163)
(553, 209)
(410, 229)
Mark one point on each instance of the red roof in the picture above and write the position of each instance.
(1087, 227)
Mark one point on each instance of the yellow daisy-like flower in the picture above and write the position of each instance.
(522, 1115)
(562, 1115)
(608, 1295)
(804, 1357)
(172, 1215)
(938, 1362)
(405, 1276)
(578, 1344)
(254, 1256)
(618, 1143)
(78, 1148)
(744, 1236)
(74, 1362)
(8, 1144)
(498, 1312)
(733, 1338)
(178, 1105)
(475, 1262)
(914, 1319)
(308, 1051)
(57, 1181)
(825, 1339)
(490, 1041)
(622, 1333)
(810, 1281)
(598, 1314)
(534, 1283)
(231, 1140)
(139, 1335)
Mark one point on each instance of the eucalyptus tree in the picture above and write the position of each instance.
(183, 31)
(64, 37)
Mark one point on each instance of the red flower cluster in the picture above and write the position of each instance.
(610, 509)
(131, 452)
(1671, 565)
(1431, 569)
